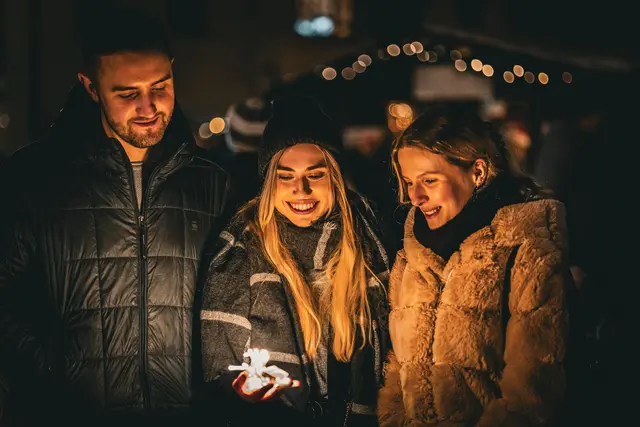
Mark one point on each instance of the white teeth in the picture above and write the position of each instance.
(302, 206)
(432, 211)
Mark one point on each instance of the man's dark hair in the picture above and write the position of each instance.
(116, 30)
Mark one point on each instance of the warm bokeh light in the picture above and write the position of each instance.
(476, 65)
(460, 65)
(518, 70)
(403, 122)
(508, 77)
(329, 73)
(417, 47)
(348, 73)
(217, 125)
(401, 110)
(393, 50)
(529, 77)
(487, 70)
(543, 78)
(358, 67)
(401, 115)
(567, 77)
(365, 59)
(408, 49)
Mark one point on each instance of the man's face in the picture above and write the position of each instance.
(136, 95)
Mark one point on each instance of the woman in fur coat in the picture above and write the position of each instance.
(302, 274)
(478, 321)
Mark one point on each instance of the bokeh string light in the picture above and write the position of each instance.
(462, 59)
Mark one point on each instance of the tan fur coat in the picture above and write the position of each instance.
(453, 362)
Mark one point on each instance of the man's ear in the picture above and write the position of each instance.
(88, 86)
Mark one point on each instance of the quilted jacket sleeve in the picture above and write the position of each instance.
(20, 349)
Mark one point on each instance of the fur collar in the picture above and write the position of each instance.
(512, 224)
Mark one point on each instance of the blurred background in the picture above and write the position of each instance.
(557, 79)
(526, 61)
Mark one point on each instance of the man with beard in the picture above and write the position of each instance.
(102, 230)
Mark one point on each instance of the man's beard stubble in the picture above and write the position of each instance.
(143, 139)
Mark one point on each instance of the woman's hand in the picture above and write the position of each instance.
(268, 393)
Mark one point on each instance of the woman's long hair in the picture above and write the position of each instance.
(343, 303)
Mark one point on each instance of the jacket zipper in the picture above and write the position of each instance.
(142, 286)
(144, 315)
(143, 294)
(144, 289)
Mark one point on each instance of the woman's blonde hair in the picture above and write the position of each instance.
(462, 138)
(343, 303)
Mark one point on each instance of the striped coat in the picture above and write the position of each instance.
(247, 305)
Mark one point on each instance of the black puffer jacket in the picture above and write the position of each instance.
(97, 295)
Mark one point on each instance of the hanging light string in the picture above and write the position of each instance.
(461, 59)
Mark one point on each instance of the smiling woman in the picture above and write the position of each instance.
(305, 269)
(304, 188)
(477, 294)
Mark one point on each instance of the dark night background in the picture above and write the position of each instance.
(227, 51)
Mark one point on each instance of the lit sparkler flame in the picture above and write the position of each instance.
(260, 375)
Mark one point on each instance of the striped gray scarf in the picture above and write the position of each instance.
(246, 305)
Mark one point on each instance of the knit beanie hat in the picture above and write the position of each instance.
(247, 120)
(297, 120)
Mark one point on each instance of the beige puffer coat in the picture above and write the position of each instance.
(461, 357)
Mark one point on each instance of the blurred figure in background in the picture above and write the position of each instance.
(246, 121)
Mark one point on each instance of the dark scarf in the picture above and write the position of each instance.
(303, 244)
(476, 214)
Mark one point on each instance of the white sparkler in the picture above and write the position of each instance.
(260, 375)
